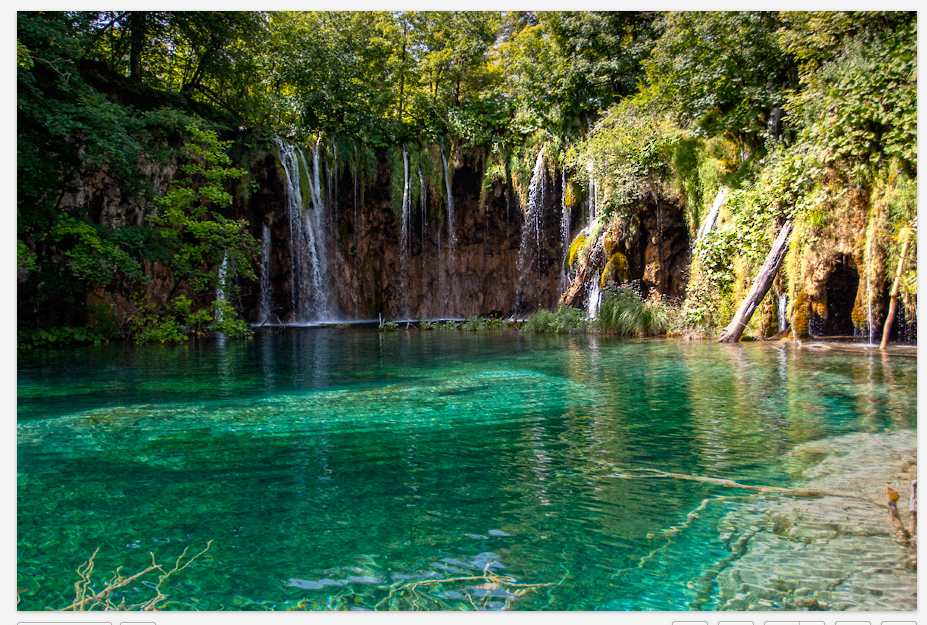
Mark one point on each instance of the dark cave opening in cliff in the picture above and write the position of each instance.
(840, 289)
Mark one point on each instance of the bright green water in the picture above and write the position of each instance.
(328, 464)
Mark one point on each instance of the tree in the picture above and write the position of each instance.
(857, 108)
(199, 241)
(603, 52)
(721, 71)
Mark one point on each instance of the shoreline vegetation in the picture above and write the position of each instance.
(676, 150)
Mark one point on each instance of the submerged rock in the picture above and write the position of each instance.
(839, 552)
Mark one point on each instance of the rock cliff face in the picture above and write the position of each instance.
(503, 255)
(655, 255)
(499, 262)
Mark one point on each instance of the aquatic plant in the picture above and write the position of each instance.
(623, 312)
(480, 324)
(563, 321)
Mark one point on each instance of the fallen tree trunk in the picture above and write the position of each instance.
(894, 303)
(761, 284)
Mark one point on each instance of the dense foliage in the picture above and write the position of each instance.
(810, 115)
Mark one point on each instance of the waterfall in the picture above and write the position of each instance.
(424, 194)
(873, 339)
(593, 299)
(709, 222)
(315, 182)
(332, 186)
(564, 233)
(451, 233)
(354, 175)
(266, 299)
(592, 192)
(451, 242)
(404, 232)
(222, 288)
(311, 293)
(781, 306)
(537, 191)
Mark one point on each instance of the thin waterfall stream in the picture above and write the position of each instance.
(311, 296)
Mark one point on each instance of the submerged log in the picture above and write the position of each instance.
(761, 284)
(806, 493)
(894, 302)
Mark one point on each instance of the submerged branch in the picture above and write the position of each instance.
(411, 588)
(102, 599)
(805, 493)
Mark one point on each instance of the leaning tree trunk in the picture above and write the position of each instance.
(761, 284)
(894, 299)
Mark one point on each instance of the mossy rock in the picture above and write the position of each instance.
(575, 246)
(802, 314)
(616, 269)
(572, 193)
(612, 239)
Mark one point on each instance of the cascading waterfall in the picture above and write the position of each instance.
(709, 222)
(311, 293)
(222, 288)
(593, 299)
(451, 233)
(315, 181)
(564, 233)
(872, 328)
(354, 174)
(265, 304)
(781, 306)
(424, 195)
(592, 192)
(451, 301)
(332, 186)
(404, 232)
(537, 192)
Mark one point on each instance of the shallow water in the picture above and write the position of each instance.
(328, 464)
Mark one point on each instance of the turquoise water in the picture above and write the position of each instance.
(331, 466)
